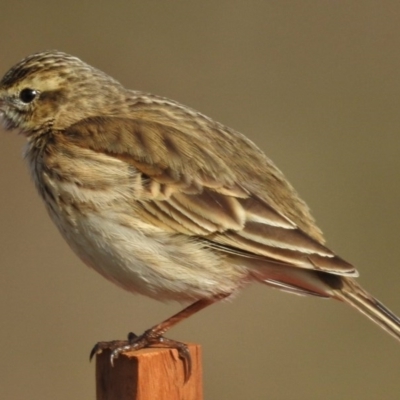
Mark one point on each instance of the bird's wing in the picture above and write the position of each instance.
(192, 187)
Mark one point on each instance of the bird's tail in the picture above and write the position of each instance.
(322, 284)
(353, 294)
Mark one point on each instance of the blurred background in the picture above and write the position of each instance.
(316, 85)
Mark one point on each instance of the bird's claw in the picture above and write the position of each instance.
(148, 339)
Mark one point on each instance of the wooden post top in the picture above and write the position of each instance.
(149, 374)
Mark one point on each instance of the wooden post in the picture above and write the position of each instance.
(148, 374)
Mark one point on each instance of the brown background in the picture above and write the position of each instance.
(316, 84)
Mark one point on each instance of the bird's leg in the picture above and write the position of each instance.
(153, 337)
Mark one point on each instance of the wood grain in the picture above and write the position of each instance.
(155, 374)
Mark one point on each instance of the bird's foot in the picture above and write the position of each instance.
(149, 338)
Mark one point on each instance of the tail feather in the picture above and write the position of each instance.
(323, 284)
(353, 294)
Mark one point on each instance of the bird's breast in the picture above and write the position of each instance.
(92, 198)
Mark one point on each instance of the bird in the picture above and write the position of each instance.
(164, 201)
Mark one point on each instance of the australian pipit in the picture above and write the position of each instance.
(164, 201)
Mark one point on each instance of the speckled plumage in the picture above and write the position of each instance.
(163, 200)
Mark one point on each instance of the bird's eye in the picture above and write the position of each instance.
(27, 95)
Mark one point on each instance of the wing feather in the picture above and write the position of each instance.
(209, 192)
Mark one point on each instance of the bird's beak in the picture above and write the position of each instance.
(2, 108)
(1, 101)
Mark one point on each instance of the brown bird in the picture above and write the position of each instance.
(164, 201)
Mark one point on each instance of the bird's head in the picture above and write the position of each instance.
(53, 90)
